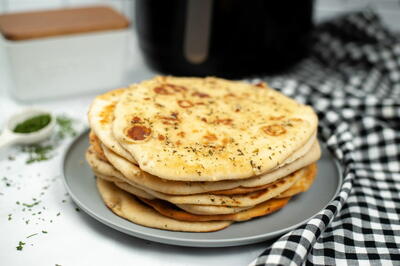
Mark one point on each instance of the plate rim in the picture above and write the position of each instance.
(189, 242)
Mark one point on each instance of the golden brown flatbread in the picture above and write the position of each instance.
(209, 129)
(96, 146)
(99, 166)
(128, 207)
(239, 200)
(101, 116)
(195, 209)
(262, 209)
(303, 184)
(196, 154)
(134, 175)
(211, 209)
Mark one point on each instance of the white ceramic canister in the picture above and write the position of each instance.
(65, 65)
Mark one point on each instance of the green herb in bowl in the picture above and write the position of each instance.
(33, 124)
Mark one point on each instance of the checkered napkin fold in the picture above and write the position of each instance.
(352, 79)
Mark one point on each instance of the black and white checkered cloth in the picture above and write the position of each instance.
(352, 79)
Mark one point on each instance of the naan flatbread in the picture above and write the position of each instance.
(191, 208)
(101, 116)
(240, 200)
(134, 175)
(101, 167)
(128, 207)
(274, 188)
(210, 209)
(209, 129)
(96, 146)
(303, 184)
(262, 209)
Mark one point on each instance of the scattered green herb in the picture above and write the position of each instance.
(20, 245)
(10, 217)
(43, 152)
(77, 209)
(33, 124)
(37, 152)
(6, 181)
(31, 235)
(44, 232)
(65, 127)
(31, 205)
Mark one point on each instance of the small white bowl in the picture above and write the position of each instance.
(9, 137)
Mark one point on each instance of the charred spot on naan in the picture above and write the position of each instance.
(224, 121)
(274, 118)
(185, 103)
(172, 119)
(274, 130)
(281, 125)
(138, 133)
(210, 137)
(136, 120)
(261, 85)
(169, 89)
(162, 91)
(107, 113)
(200, 94)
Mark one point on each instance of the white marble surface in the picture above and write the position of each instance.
(74, 238)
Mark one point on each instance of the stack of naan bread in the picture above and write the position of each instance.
(197, 154)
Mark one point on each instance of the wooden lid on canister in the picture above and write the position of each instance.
(41, 24)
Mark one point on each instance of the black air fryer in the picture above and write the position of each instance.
(225, 38)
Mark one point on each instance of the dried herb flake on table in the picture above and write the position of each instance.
(44, 151)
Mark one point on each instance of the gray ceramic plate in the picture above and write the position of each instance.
(80, 183)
